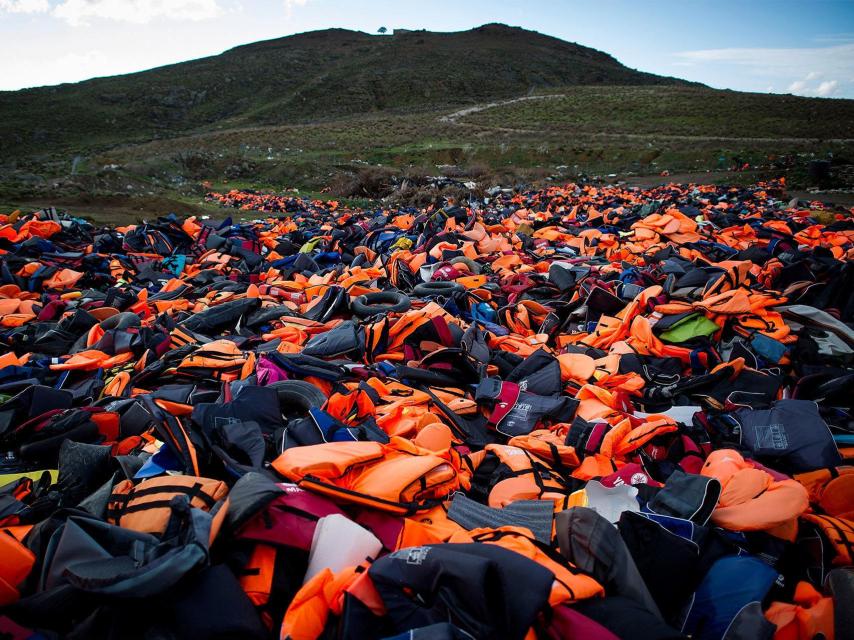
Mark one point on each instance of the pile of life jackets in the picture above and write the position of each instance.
(578, 412)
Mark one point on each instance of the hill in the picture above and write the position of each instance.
(311, 76)
(364, 115)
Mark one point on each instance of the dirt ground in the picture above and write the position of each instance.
(129, 209)
(119, 209)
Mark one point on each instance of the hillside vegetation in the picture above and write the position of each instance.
(311, 76)
(322, 109)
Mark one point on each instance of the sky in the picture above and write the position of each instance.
(804, 47)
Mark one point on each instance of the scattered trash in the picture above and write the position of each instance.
(583, 411)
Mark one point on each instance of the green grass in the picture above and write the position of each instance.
(312, 77)
(576, 131)
(225, 187)
(310, 110)
(682, 111)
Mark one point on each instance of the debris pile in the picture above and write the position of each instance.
(582, 411)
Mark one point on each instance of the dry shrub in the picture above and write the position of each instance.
(369, 182)
(195, 164)
(413, 195)
(478, 170)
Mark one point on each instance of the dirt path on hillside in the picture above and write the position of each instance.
(454, 119)
(462, 113)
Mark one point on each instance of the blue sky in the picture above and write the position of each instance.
(779, 46)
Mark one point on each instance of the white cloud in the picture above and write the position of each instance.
(24, 6)
(808, 87)
(54, 67)
(780, 61)
(81, 12)
(827, 88)
(834, 38)
(815, 71)
(290, 5)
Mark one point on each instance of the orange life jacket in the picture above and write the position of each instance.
(323, 594)
(831, 491)
(220, 359)
(257, 578)
(751, 500)
(809, 617)
(837, 535)
(506, 473)
(548, 445)
(17, 562)
(145, 507)
(570, 584)
(398, 477)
